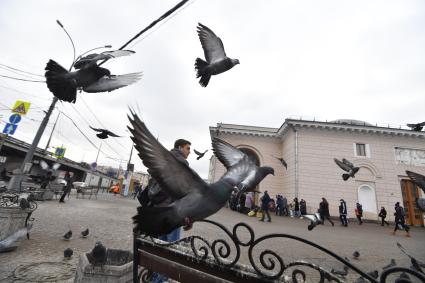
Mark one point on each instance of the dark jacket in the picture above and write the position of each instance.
(297, 205)
(382, 213)
(324, 208)
(303, 207)
(265, 200)
(342, 208)
(68, 180)
(399, 213)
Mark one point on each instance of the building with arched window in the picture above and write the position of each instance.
(309, 147)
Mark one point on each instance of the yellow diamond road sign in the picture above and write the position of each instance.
(21, 107)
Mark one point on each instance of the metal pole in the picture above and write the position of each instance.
(98, 152)
(51, 134)
(3, 140)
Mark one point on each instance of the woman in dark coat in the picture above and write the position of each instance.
(303, 207)
(383, 215)
(399, 219)
(324, 211)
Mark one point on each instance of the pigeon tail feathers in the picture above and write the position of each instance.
(155, 221)
(200, 66)
(58, 84)
(345, 176)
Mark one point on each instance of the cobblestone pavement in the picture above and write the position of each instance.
(109, 220)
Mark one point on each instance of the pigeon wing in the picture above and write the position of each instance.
(109, 133)
(56, 166)
(110, 83)
(175, 178)
(91, 59)
(342, 165)
(212, 45)
(418, 179)
(227, 153)
(44, 165)
(348, 163)
(97, 130)
(197, 152)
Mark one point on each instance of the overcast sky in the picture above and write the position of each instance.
(361, 60)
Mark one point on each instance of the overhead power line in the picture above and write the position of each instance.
(19, 70)
(19, 79)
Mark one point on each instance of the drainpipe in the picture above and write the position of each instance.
(296, 161)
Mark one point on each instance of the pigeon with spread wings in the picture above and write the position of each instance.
(416, 127)
(104, 134)
(193, 198)
(419, 180)
(199, 154)
(89, 76)
(217, 61)
(348, 167)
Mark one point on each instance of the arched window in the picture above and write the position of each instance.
(367, 198)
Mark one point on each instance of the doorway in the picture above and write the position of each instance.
(409, 192)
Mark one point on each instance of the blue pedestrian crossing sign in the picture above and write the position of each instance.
(15, 118)
(60, 152)
(9, 129)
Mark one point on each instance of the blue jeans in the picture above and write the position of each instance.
(171, 237)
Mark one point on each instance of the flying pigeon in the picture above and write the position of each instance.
(217, 61)
(193, 198)
(8, 244)
(391, 264)
(419, 180)
(46, 166)
(416, 127)
(68, 235)
(199, 154)
(342, 273)
(234, 159)
(356, 254)
(67, 253)
(98, 254)
(348, 167)
(104, 134)
(85, 233)
(314, 220)
(88, 76)
(282, 161)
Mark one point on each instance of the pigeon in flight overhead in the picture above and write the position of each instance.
(217, 61)
(193, 199)
(68, 235)
(282, 161)
(98, 254)
(85, 233)
(104, 134)
(67, 253)
(416, 127)
(348, 167)
(89, 76)
(234, 159)
(419, 180)
(199, 154)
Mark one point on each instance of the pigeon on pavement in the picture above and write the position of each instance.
(104, 134)
(89, 76)
(348, 167)
(193, 198)
(356, 254)
(199, 154)
(419, 180)
(416, 127)
(67, 253)
(85, 233)
(68, 235)
(217, 61)
(342, 273)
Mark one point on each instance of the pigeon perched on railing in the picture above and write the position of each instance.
(85, 233)
(348, 167)
(67, 253)
(104, 134)
(217, 61)
(98, 255)
(193, 198)
(68, 235)
(419, 180)
(199, 154)
(416, 127)
(88, 76)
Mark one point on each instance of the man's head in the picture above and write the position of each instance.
(183, 146)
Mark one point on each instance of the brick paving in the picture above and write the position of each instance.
(109, 220)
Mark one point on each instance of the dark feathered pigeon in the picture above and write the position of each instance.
(282, 161)
(416, 127)
(88, 77)
(391, 264)
(419, 180)
(68, 235)
(356, 254)
(217, 61)
(348, 167)
(234, 159)
(98, 255)
(342, 272)
(85, 233)
(24, 204)
(193, 198)
(199, 154)
(104, 134)
(67, 253)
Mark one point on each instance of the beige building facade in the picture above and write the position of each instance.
(309, 147)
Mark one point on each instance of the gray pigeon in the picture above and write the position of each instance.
(314, 220)
(88, 77)
(416, 127)
(85, 233)
(8, 244)
(199, 154)
(104, 134)
(217, 61)
(98, 254)
(282, 161)
(419, 180)
(234, 159)
(356, 254)
(68, 235)
(193, 198)
(348, 167)
(342, 272)
(67, 253)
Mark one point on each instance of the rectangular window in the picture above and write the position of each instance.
(360, 149)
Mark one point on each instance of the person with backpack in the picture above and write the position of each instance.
(399, 219)
(324, 211)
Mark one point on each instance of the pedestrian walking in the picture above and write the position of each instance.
(285, 210)
(265, 200)
(343, 212)
(324, 211)
(67, 188)
(303, 207)
(359, 212)
(399, 219)
(383, 215)
(279, 205)
(297, 208)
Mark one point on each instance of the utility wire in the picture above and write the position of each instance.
(17, 73)
(18, 79)
(16, 69)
